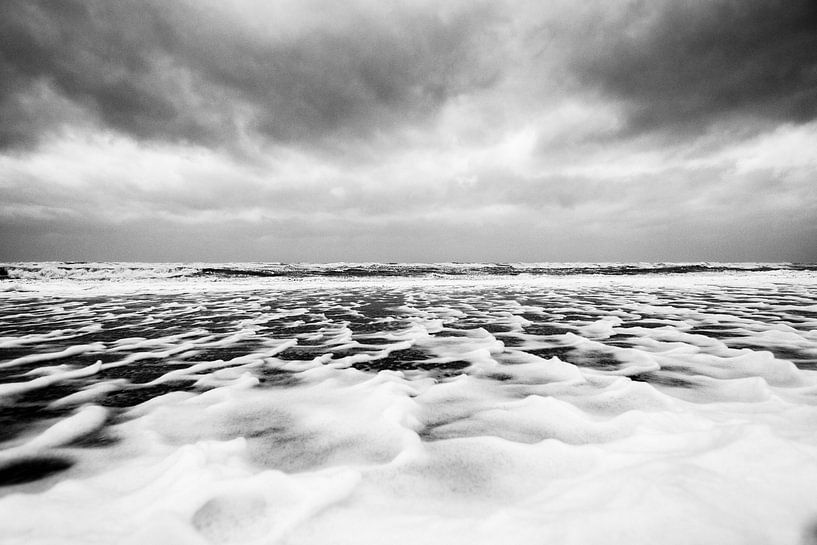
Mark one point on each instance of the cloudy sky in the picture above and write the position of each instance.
(408, 130)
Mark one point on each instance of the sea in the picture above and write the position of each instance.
(388, 403)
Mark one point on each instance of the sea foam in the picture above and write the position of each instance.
(606, 408)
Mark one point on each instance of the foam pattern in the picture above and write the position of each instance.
(595, 409)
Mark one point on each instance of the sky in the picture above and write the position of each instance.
(408, 130)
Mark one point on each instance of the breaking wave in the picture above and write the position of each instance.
(146, 271)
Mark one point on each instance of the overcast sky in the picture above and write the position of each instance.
(415, 130)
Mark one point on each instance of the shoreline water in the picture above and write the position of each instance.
(570, 408)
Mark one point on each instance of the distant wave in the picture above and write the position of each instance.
(147, 271)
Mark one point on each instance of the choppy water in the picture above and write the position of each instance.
(137, 271)
(558, 408)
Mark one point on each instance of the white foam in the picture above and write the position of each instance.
(84, 421)
(701, 430)
(66, 353)
(16, 388)
(87, 419)
(86, 395)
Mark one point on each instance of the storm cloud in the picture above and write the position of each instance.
(408, 130)
(687, 63)
(196, 72)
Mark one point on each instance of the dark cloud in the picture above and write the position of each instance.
(407, 130)
(96, 56)
(682, 65)
(189, 72)
(318, 73)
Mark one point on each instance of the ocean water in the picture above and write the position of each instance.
(423, 403)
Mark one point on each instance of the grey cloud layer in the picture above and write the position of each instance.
(685, 64)
(188, 71)
(314, 129)
(192, 71)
